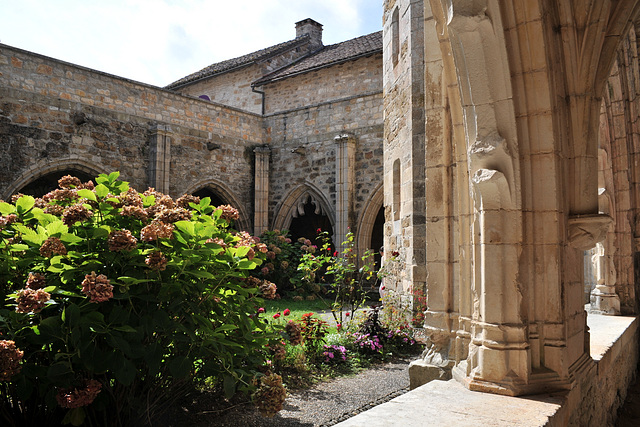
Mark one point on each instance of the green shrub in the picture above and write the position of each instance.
(119, 301)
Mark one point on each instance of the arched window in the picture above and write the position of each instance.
(395, 36)
(396, 190)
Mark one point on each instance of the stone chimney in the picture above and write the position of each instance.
(314, 29)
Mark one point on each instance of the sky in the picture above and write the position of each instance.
(160, 41)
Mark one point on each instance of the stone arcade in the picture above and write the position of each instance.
(511, 150)
(511, 147)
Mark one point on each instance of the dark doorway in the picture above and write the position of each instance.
(377, 236)
(307, 225)
(49, 182)
(215, 199)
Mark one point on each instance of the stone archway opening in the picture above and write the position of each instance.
(305, 223)
(377, 237)
(216, 199)
(49, 182)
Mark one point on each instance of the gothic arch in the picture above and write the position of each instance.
(43, 168)
(221, 189)
(292, 206)
(367, 220)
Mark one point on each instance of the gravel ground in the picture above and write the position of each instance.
(325, 404)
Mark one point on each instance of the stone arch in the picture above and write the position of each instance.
(44, 168)
(220, 189)
(293, 206)
(366, 221)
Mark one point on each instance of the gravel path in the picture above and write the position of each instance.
(325, 404)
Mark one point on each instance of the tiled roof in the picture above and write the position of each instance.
(240, 61)
(329, 55)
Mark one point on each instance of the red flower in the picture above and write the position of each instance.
(382, 288)
(286, 312)
(319, 230)
(347, 314)
(275, 316)
(261, 310)
(339, 326)
(395, 253)
(335, 253)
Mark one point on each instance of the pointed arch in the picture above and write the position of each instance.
(43, 168)
(292, 206)
(367, 219)
(226, 195)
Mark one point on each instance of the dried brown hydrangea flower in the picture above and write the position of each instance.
(229, 213)
(97, 288)
(294, 330)
(270, 395)
(30, 300)
(52, 246)
(121, 240)
(79, 396)
(69, 181)
(6, 220)
(130, 198)
(76, 213)
(173, 215)
(135, 212)
(184, 201)
(10, 357)
(267, 289)
(156, 230)
(218, 241)
(36, 281)
(156, 261)
(62, 195)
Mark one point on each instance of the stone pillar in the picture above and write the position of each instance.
(261, 193)
(160, 157)
(345, 185)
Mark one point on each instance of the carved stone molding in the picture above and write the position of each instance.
(587, 230)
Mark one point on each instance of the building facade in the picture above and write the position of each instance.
(290, 135)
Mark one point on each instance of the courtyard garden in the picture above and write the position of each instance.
(118, 303)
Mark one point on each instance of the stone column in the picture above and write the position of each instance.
(261, 196)
(160, 157)
(345, 185)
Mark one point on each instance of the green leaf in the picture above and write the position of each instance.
(225, 328)
(125, 328)
(6, 208)
(180, 367)
(87, 194)
(17, 247)
(200, 274)
(245, 264)
(71, 238)
(187, 227)
(101, 190)
(60, 372)
(57, 227)
(72, 315)
(74, 416)
(229, 385)
(113, 176)
(25, 203)
(125, 371)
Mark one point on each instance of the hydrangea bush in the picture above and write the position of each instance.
(115, 302)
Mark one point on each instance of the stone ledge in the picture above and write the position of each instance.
(449, 403)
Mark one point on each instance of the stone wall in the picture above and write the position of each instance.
(55, 115)
(232, 88)
(304, 149)
(363, 76)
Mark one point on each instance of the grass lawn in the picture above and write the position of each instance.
(298, 308)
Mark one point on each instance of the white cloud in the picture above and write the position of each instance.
(159, 41)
